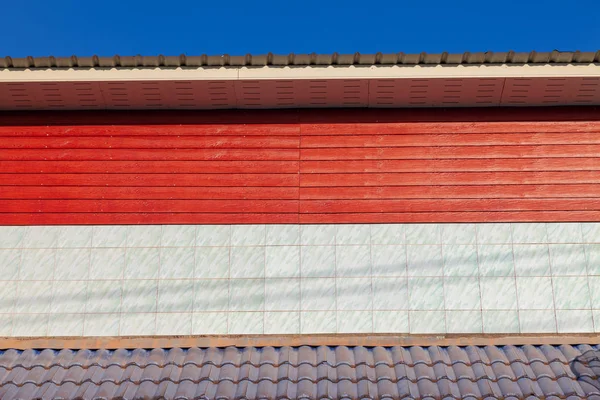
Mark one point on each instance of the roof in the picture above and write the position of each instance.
(303, 372)
(292, 59)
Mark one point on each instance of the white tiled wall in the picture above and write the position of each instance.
(177, 280)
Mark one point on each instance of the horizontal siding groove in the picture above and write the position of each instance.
(339, 166)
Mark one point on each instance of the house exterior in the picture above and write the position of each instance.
(300, 226)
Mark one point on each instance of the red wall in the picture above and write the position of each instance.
(300, 166)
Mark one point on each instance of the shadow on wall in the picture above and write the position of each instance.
(586, 368)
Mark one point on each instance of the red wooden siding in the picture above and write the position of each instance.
(301, 167)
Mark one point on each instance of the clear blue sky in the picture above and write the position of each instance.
(150, 27)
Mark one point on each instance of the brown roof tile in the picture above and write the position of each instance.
(303, 372)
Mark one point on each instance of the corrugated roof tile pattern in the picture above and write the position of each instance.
(292, 59)
(303, 373)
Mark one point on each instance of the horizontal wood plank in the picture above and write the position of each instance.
(155, 167)
(452, 192)
(451, 165)
(148, 193)
(152, 142)
(450, 152)
(150, 206)
(447, 178)
(456, 139)
(128, 180)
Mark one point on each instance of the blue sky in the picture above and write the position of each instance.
(151, 27)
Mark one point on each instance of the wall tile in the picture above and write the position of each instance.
(567, 259)
(353, 234)
(426, 293)
(212, 262)
(30, 325)
(174, 324)
(11, 236)
(535, 293)
(594, 282)
(40, 237)
(317, 234)
(69, 297)
(388, 260)
(209, 323)
(178, 236)
(574, 321)
(494, 233)
(591, 232)
(247, 294)
(278, 235)
(135, 324)
(282, 261)
(354, 294)
(139, 296)
(458, 234)
(462, 294)
(425, 260)
(8, 290)
(427, 322)
(175, 295)
(104, 297)
(282, 323)
(107, 263)
(500, 321)
(390, 322)
(353, 261)
(498, 293)
(390, 294)
(6, 325)
(355, 322)
(317, 261)
(571, 292)
(213, 235)
(388, 234)
(109, 236)
(33, 297)
(529, 233)
(101, 325)
(423, 234)
(144, 235)
(37, 264)
(65, 324)
(248, 262)
(537, 321)
(318, 322)
(246, 323)
(74, 236)
(177, 262)
(72, 264)
(282, 294)
(464, 321)
(460, 260)
(496, 260)
(142, 263)
(318, 294)
(564, 232)
(248, 235)
(596, 316)
(10, 259)
(211, 295)
(531, 260)
(592, 253)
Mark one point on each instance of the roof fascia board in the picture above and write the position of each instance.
(301, 73)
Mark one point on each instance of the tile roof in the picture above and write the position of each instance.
(260, 60)
(303, 372)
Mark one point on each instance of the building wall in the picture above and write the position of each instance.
(236, 279)
(313, 167)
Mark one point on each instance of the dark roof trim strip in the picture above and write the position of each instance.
(270, 59)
